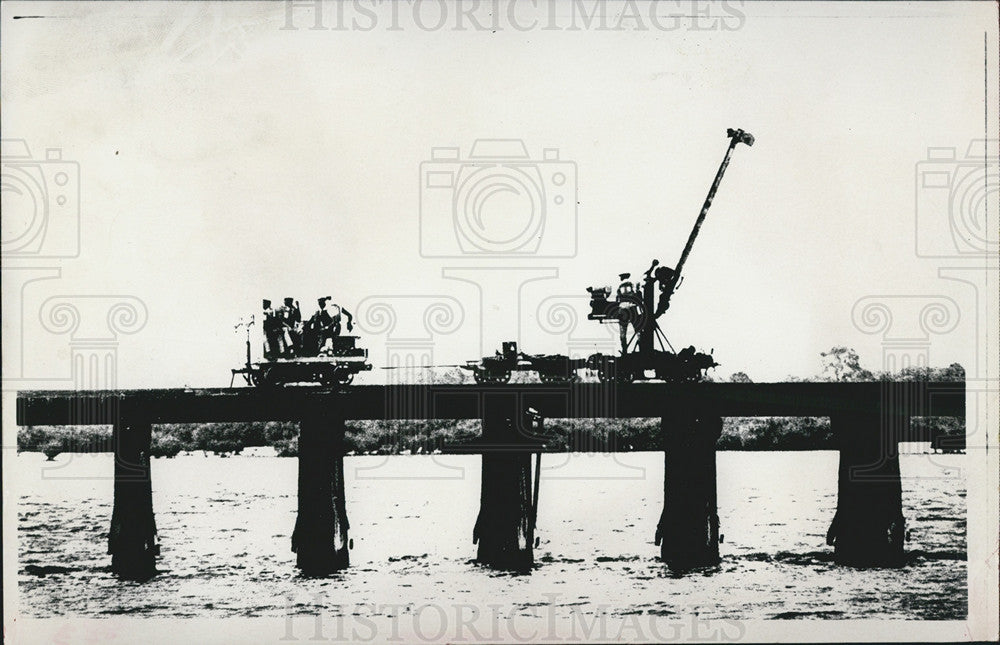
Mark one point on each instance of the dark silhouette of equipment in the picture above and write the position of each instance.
(247, 370)
(638, 307)
(551, 368)
(317, 353)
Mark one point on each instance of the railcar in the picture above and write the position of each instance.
(336, 364)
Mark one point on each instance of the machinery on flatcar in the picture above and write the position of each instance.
(635, 305)
(551, 368)
(316, 351)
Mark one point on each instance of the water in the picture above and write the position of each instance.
(225, 528)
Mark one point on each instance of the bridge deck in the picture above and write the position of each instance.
(581, 400)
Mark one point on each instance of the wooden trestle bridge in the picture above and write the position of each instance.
(868, 420)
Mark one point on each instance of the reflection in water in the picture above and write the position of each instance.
(225, 527)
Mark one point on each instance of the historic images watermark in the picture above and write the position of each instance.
(956, 201)
(955, 188)
(514, 15)
(41, 203)
(956, 193)
(320, 618)
(409, 329)
(41, 235)
(492, 205)
(497, 200)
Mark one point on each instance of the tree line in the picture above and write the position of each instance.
(433, 436)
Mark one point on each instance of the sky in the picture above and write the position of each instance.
(226, 153)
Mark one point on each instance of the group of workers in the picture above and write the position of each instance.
(287, 336)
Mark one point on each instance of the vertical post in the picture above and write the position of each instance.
(132, 538)
(868, 528)
(688, 532)
(320, 538)
(648, 331)
(505, 527)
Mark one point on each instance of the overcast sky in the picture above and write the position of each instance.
(223, 159)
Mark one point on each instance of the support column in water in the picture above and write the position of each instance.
(132, 538)
(688, 532)
(505, 528)
(320, 538)
(868, 528)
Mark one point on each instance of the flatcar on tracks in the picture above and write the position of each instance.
(314, 352)
(335, 364)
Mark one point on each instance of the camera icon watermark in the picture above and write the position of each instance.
(41, 203)
(409, 329)
(497, 202)
(955, 198)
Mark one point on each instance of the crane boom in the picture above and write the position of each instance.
(735, 137)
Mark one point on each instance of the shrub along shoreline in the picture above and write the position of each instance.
(422, 437)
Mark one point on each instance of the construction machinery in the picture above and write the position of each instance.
(635, 306)
(645, 353)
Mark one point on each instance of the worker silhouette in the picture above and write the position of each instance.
(291, 322)
(316, 330)
(324, 326)
(628, 309)
(274, 337)
(666, 279)
(336, 312)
